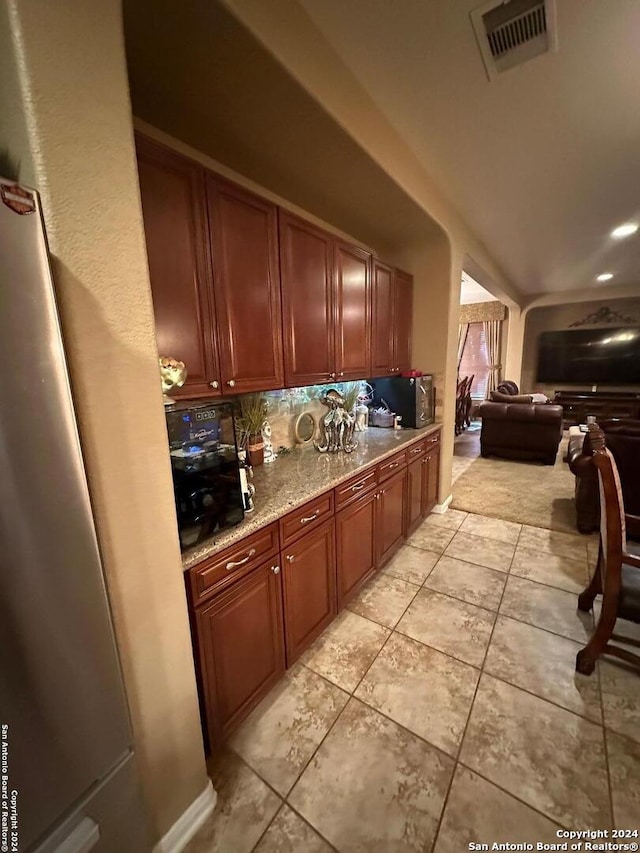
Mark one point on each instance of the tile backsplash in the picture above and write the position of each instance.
(287, 404)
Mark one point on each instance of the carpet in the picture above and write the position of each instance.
(524, 492)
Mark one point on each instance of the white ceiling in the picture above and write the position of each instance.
(544, 161)
(471, 291)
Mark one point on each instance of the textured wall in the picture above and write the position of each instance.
(75, 95)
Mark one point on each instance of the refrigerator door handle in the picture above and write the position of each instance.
(82, 839)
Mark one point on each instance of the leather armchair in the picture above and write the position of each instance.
(622, 437)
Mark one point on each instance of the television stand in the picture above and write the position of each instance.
(577, 405)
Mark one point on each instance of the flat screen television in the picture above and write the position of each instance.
(590, 356)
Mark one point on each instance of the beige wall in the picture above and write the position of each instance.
(73, 91)
(556, 317)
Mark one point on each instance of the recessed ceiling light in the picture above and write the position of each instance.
(605, 276)
(625, 230)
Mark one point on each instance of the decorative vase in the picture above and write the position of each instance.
(255, 450)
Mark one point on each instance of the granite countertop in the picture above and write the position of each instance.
(301, 475)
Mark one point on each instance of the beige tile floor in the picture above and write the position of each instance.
(441, 708)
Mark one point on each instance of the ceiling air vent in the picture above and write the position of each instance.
(512, 32)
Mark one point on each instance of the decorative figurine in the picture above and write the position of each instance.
(173, 374)
(362, 417)
(336, 427)
(269, 453)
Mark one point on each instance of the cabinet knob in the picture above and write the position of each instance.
(231, 383)
(275, 570)
(290, 558)
(215, 384)
(332, 376)
(341, 373)
(377, 496)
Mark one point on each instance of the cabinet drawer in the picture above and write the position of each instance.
(416, 450)
(350, 490)
(226, 567)
(305, 518)
(431, 441)
(392, 465)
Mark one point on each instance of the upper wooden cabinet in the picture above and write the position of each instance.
(352, 312)
(306, 266)
(246, 282)
(175, 224)
(326, 305)
(402, 320)
(382, 333)
(253, 298)
(392, 320)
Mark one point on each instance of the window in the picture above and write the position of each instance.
(475, 360)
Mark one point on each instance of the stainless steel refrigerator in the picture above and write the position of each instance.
(67, 769)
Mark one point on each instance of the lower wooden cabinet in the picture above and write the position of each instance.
(284, 591)
(241, 648)
(355, 545)
(390, 517)
(415, 472)
(430, 479)
(309, 584)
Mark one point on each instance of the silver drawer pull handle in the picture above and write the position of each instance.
(230, 566)
(310, 517)
(394, 465)
(357, 487)
(417, 450)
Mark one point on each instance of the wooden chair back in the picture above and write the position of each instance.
(613, 534)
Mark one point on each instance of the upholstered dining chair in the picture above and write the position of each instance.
(617, 574)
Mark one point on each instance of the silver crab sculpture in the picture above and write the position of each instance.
(337, 426)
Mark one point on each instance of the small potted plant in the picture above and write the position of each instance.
(251, 417)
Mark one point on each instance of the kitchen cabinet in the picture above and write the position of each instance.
(253, 298)
(306, 269)
(241, 648)
(431, 475)
(402, 320)
(172, 189)
(309, 582)
(355, 545)
(326, 305)
(243, 231)
(416, 493)
(382, 319)
(352, 301)
(390, 517)
(257, 604)
(392, 318)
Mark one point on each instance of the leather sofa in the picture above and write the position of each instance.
(622, 437)
(513, 427)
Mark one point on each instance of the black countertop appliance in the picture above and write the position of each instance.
(413, 398)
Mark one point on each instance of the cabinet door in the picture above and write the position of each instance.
(241, 643)
(430, 480)
(174, 212)
(246, 282)
(402, 320)
(306, 262)
(309, 580)
(382, 319)
(415, 472)
(353, 312)
(390, 526)
(355, 544)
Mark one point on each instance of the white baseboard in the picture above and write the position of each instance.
(443, 507)
(188, 823)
